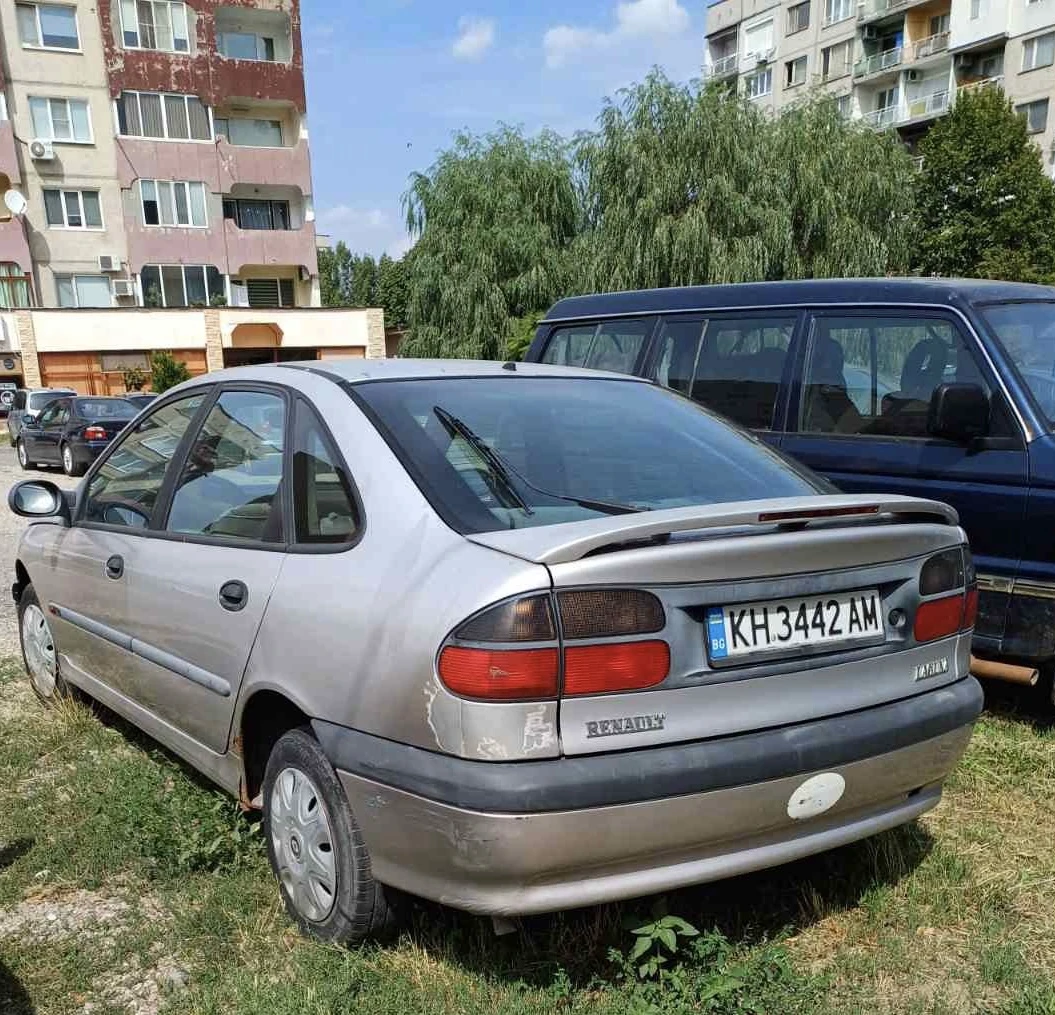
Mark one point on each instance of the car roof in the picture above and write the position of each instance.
(935, 291)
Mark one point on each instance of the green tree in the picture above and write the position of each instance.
(362, 281)
(494, 218)
(392, 290)
(985, 206)
(334, 274)
(166, 372)
(135, 379)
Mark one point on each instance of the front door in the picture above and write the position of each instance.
(860, 417)
(44, 437)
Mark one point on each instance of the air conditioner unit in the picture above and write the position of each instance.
(870, 33)
(41, 150)
(964, 62)
(123, 288)
(915, 75)
(108, 262)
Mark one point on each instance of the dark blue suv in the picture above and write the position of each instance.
(933, 387)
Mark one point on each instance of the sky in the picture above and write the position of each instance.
(390, 81)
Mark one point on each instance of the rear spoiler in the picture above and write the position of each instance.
(562, 544)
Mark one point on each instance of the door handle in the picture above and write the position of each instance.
(234, 596)
(115, 567)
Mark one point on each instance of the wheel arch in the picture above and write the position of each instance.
(265, 716)
(22, 580)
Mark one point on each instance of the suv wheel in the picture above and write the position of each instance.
(23, 455)
(38, 648)
(315, 847)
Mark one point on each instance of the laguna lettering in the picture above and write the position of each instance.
(621, 727)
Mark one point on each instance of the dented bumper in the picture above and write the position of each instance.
(530, 837)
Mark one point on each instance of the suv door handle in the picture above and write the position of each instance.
(234, 596)
(115, 567)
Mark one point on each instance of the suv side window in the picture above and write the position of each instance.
(323, 506)
(610, 345)
(232, 479)
(733, 365)
(124, 489)
(875, 375)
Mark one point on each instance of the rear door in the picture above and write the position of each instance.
(859, 416)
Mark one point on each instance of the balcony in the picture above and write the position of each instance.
(925, 107)
(269, 246)
(722, 67)
(879, 63)
(881, 118)
(974, 86)
(876, 10)
(931, 46)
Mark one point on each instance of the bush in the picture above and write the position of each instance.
(166, 372)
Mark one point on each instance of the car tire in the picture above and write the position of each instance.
(70, 465)
(315, 847)
(38, 648)
(23, 456)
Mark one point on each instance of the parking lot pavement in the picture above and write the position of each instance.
(11, 527)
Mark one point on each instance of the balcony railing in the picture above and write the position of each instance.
(933, 44)
(721, 67)
(974, 86)
(928, 105)
(878, 62)
(885, 117)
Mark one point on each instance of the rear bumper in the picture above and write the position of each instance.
(509, 838)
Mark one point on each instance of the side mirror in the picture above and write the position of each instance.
(28, 419)
(959, 412)
(37, 498)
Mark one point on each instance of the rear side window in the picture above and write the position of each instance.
(731, 365)
(610, 345)
(323, 505)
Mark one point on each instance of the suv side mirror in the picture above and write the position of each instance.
(37, 498)
(959, 412)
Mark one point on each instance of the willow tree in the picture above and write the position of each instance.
(493, 218)
(684, 185)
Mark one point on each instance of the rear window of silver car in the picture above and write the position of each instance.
(506, 453)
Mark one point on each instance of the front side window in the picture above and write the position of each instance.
(73, 209)
(54, 414)
(163, 116)
(125, 488)
(875, 376)
(518, 452)
(1027, 333)
(1035, 115)
(61, 119)
(1038, 52)
(257, 214)
(83, 291)
(250, 133)
(155, 24)
(731, 365)
(173, 203)
(180, 285)
(323, 506)
(611, 345)
(48, 26)
(230, 486)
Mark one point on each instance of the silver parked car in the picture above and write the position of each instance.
(514, 638)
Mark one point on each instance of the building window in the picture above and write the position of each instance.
(844, 105)
(839, 10)
(257, 214)
(178, 285)
(939, 24)
(155, 24)
(795, 72)
(979, 9)
(246, 46)
(14, 286)
(1038, 52)
(758, 41)
(758, 84)
(83, 291)
(61, 119)
(1036, 115)
(48, 26)
(798, 18)
(836, 60)
(160, 115)
(268, 293)
(173, 203)
(250, 133)
(73, 209)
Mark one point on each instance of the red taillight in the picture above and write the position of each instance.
(939, 618)
(605, 669)
(94, 433)
(500, 674)
(970, 609)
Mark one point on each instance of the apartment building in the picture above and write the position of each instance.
(892, 63)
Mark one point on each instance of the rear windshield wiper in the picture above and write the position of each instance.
(503, 471)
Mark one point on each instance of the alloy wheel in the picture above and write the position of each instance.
(67, 460)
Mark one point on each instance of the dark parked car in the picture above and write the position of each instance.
(71, 432)
(28, 403)
(140, 399)
(932, 388)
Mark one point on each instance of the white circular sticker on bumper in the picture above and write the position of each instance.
(816, 795)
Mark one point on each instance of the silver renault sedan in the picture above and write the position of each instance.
(514, 638)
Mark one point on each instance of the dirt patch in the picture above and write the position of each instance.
(62, 916)
(137, 987)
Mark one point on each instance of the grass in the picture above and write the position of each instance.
(955, 914)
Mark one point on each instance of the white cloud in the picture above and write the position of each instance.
(634, 20)
(365, 230)
(475, 37)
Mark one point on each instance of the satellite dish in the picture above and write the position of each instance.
(16, 202)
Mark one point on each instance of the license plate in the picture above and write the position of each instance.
(784, 625)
